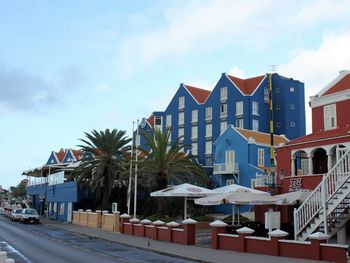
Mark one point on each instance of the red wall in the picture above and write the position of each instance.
(139, 230)
(178, 236)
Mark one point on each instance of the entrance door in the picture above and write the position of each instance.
(69, 212)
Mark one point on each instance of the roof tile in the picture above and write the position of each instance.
(261, 137)
(199, 94)
(343, 84)
(247, 86)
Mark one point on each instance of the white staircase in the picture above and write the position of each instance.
(327, 208)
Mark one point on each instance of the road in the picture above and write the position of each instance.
(39, 243)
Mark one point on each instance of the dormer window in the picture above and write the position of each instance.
(330, 117)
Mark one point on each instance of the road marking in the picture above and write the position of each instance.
(10, 248)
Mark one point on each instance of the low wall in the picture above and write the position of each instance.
(158, 231)
(276, 245)
(97, 219)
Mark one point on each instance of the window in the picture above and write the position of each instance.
(194, 115)
(223, 110)
(168, 120)
(255, 108)
(239, 123)
(229, 181)
(194, 132)
(292, 124)
(277, 90)
(278, 107)
(181, 132)
(223, 127)
(255, 125)
(291, 106)
(208, 113)
(266, 94)
(291, 89)
(208, 130)
(181, 118)
(330, 117)
(195, 148)
(223, 93)
(181, 102)
(158, 120)
(261, 157)
(208, 146)
(239, 108)
(278, 124)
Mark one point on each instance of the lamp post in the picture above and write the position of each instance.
(131, 167)
(136, 160)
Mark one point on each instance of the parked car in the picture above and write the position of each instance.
(29, 215)
(16, 214)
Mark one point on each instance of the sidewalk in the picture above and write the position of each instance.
(195, 253)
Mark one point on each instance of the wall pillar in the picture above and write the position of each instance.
(98, 219)
(116, 227)
(156, 224)
(292, 167)
(316, 239)
(341, 235)
(242, 233)
(124, 218)
(171, 225)
(190, 231)
(275, 236)
(217, 227)
(329, 162)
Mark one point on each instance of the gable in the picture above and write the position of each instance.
(246, 86)
(200, 95)
(343, 84)
(69, 157)
(52, 159)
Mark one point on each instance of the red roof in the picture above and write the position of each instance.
(150, 120)
(330, 134)
(60, 155)
(78, 154)
(199, 94)
(341, 85)
(247, 86)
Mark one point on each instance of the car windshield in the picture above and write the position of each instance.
(17, 211)
(30, 212)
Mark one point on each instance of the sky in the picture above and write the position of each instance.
(69, 67)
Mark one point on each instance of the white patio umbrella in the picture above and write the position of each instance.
(236, 194)
(183, 190)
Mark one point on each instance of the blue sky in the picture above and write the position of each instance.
(68, 67)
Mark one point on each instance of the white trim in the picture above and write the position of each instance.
(246, 79)
(329, 99)
(341, 75)
(184, 85)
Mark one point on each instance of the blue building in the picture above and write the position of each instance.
(202, 116)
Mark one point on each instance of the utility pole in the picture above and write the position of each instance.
(131, 167)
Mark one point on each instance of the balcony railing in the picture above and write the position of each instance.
(226, 168)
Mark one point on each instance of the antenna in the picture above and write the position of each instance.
(273, 68)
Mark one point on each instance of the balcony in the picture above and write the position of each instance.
(226, 168)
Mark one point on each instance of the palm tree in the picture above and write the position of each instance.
(164, 162)
(101, 169)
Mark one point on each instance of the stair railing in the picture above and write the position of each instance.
(316, 201)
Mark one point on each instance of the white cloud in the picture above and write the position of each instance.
(317, 67)
(237, 72)
(204, 26)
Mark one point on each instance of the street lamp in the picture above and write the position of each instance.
(136, 160)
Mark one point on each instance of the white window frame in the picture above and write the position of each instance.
(194, 148)
(255, 125)
(156, 118)
(208, 130)
(194, 115)
(278, 107)
(278, 124)
(208, 147)
(261, 157)
(208, 113)
(181, 118)
(168, 120)
(223, 93)
(292, 124)
(240, 123)
(239, 108)
(291, 89)
(278, 90)
(182, 102)
(223, 110)
(194, 132)
(330, 117)
(291, 106)
(266, 94)
(223, 126)
(255, 108)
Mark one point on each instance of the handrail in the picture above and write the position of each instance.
(316, 201)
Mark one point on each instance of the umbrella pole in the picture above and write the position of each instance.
(238, 216)
(233, 214)
(185, 209)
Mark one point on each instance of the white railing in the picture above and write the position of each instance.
(226, 168)
(317, 200)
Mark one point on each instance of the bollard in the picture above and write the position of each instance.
(9, 260)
